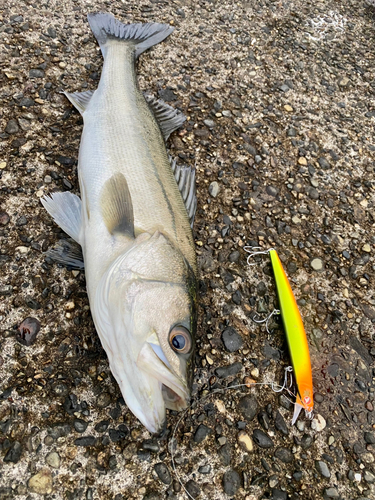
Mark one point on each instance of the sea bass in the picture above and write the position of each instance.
(133, 222)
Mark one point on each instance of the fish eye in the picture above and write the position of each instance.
(180, 339)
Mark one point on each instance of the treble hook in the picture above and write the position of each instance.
(267, 319)
(250, 251)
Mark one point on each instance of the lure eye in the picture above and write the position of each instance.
(180, 339)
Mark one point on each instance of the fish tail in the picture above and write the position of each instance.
(142, 36)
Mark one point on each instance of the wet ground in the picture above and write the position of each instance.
(280, 100)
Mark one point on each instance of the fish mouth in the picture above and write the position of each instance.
(153, 361)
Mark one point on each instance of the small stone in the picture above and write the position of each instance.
(151, 445)
(369, 437)
(284, 454)
(62, 65)
(21, 221)
(280, 424)
(288, 108)
(222, 440)
(85, 441)
(344, 81)
(279, 495)
(231, 482)
(234, 256)
(14, 453)
(36, 73)
(369, 477)
(318, 423)
(331, 492)
(214, 189)
(324, 163)
(322, 468)
(12, 127)
(272, 191)
(53, 459)
(4, 218)
(103, 400)
(201, 433)
(193, 488)
(80, 425)
(366, 248)
(41, 483)
(227, 371)
(261, 439)
(204, 469)
(27, 331)
(163, 473)
(3, 165)
(248, 407)
(317, 264)
(302, 160)
(209, 123)
(245, 441)
(232, 340)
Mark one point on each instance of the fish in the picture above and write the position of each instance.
(296, 338)
(133, 222)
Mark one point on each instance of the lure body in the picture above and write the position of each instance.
(296, 337)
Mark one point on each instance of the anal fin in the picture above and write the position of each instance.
(65, 209)
(185, 178)
(169, 119)
(80, 100)
(116, 206)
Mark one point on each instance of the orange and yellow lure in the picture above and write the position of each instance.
(296, 337)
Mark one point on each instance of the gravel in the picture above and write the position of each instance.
(280, 105)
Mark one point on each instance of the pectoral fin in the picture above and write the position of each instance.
(65, 208)
(117, 207)
(80, 100)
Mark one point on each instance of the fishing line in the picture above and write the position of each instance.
(275, 388)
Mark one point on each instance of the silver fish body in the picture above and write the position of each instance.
(134, 229)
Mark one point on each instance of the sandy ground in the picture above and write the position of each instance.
(280, 101)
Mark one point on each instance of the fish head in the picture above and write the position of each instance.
(147, 327)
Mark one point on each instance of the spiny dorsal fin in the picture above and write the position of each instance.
(80, 100)
(65, 209)
(169, 119)
(185, 178)
(117, 207)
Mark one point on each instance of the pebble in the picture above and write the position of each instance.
(369, 437)
(284, 454)
(85, 441)
(204, 469)
(192, 488)
(322, 468)
(366, 248)
(163, 473)
(369, 477)
(12, 127)
(232, 339)
(279, 495)
(280, 424)
(302, 161)
(3, 165)
(209, 123)
(261, 439)
(53, 459)
(245, 441)
(231, 482)
(80, 425)
(201, 433)
(103, 400)
(41, 483)
(14, 453)
(27, 331)
(228, 371)
(318, 423)
(317, 264)
(214, 189)
(331, 492)
(248, 407)
(4, 218)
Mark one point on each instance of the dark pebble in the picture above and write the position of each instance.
(14, 453)
(280, 424)
(227, 371)
(60, 389)
(331, 493)
(36, 73)
(21, 221)
(151, 445)
(225, 454)
(167, 95)
(118, 434)
(284, 454)
(322, 468)
(32, 303)
(80, 425)
(204, 469)
(306, 441)
(279, 494)
(4, 218)
(232, 340)
(369, 437)
(237, 297)
(163, 473)
(102, 426)
(261, 439)
(152, 495)
(85, 441)
(231, 482)
(234, 256)
(272, 191)
(103, 400)
(193, 488)
(201, 433)
(249, 407)
(297, 476)
(28, 330)
(324, 163)
(270, 352)
(12, 127)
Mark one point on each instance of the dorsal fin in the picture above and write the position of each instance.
(117, 207)
(169, 119)
(185, 178)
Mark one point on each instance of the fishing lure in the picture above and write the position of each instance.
(296, 338)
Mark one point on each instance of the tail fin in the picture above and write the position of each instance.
(143, 36)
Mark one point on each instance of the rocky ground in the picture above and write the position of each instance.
(280, 100)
